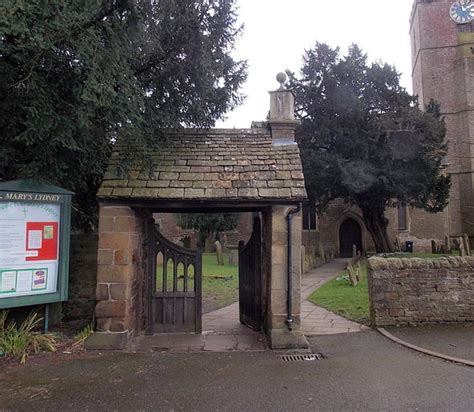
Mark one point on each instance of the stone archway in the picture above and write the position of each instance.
(350, 233)
(197, 171)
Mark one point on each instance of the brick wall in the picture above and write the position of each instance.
(82, 278)
(404, 291)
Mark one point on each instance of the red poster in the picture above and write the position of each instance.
(43, 238)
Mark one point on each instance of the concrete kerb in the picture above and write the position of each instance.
(428, 352)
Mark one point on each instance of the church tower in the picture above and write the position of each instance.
(442, 41)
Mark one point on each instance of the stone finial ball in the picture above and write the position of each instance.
(281, 77)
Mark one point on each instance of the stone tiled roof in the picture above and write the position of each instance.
(213, 164)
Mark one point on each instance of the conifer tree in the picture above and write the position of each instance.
(364, 139)
(77, 74)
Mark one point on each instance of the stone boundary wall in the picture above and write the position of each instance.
(82, 279)
(404, 291)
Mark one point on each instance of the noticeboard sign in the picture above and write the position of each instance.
(34, 243)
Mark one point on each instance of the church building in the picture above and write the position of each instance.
(442, 42)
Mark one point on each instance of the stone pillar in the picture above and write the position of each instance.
(282, 114)
(119, 275)
(277, 328)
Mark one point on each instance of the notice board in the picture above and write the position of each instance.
(34, 243)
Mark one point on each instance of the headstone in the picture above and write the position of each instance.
(447, 244)
(352, 274)
(233, 254)
(219, 253)
(462, 250)
(397, 246)
(208, 244)
(321, 253)
(359, 271)
(303, 259)
(467, 246)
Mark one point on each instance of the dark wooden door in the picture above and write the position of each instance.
(350, 234)
(175, 287)
(250, 279)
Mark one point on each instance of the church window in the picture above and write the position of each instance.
(465, 28)
(309, 217)
(402, 216)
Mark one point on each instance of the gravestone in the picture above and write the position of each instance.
(321, 253)
(352, 274)
(462, 250)
(233, 254)
(219, 253)
(447, 244)
(467, 246)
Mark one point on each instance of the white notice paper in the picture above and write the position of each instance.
(25, 279)
(35, 239)
(8, 282)
(29, 249)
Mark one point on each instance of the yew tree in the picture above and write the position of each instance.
(75, 75)
(364, 139)
(208, 225)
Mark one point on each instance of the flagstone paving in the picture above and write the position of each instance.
(316, 320)
(223, 332)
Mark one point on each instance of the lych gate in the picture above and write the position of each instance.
(146, 284)
(250, 279)
(174, 297)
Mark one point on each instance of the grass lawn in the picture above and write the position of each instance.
(220, 284)
(423, 255)
(340, 297)
(221, 291)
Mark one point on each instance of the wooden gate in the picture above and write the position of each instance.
(175, 287)
(250, 279)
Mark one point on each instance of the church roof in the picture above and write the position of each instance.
(215, 164)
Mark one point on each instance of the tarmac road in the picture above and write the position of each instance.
(361, 371)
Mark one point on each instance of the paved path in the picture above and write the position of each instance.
(223, 332)
(316, 320)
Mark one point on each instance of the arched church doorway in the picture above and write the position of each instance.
(350, 233)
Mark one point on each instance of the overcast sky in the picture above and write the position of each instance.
(277, 32)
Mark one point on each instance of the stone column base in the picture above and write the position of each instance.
(285, 339)
(107, 340)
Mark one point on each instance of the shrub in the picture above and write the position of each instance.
(21, 341)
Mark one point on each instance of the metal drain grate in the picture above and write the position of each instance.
(302, 357)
